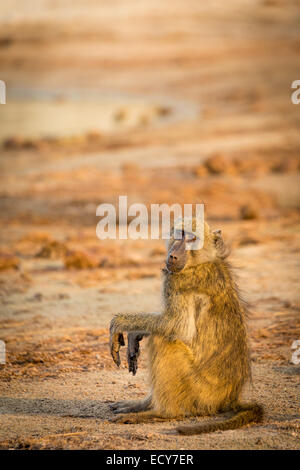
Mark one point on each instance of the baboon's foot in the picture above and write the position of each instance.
(131, 406)
(116, 405)
(126, 409)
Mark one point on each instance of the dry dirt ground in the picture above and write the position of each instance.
(164, 102)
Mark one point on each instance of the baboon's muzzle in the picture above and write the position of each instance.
(177, 256)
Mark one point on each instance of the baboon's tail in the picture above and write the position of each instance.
(246, 413)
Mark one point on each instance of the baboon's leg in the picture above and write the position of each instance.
(131, 406)
(133, 349)
(143, 417)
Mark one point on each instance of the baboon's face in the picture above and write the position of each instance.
(180, 255)
(178, 252)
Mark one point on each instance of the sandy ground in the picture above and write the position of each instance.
(163, 102)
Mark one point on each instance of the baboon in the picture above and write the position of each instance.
(197, 348)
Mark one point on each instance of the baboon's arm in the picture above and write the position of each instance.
(137, 325)
(146, 322)
(165, 324)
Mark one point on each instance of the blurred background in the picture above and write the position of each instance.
(165, 102)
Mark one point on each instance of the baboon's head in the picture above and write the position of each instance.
(192, 244)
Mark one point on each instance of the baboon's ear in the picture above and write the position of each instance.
(217, 233)
(222, 250)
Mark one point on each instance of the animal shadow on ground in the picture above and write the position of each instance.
(59, 407)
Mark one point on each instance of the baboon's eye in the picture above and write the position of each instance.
(179, 234)
(190, 237)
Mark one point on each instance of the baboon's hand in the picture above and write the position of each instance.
(116, 341)
(133, 350)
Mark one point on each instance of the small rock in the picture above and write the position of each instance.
(248, 213)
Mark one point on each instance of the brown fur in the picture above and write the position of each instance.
(198, 350)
